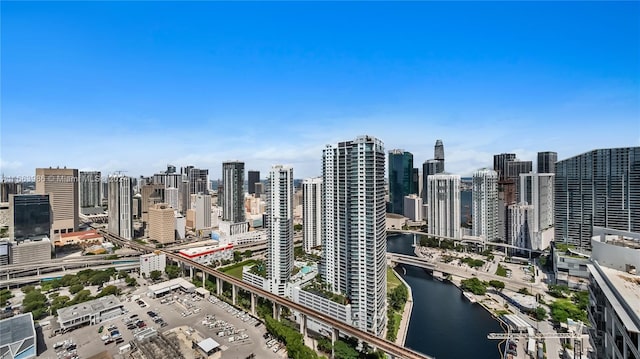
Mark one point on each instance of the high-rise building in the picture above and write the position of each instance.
(597, 188)
(90, 189)
(203, 211)
(279, 225)
(162, 223)
(485, 204)
(151, 194)
(120, 206)
(432, 167)
(312, 213)
(9, 186)
(500, 164)
(400, 178)
(232, 193)
(520, 218)
(413, 207)
(536, 189)
(259, 190)
(443, 194)
(353, 233)
(547, 162)
(30, 216)
(172, 197)
(429, 168)
(253, 178)
(62, 186)
(198, 181)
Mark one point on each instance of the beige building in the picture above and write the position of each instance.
(162, 223)
(151, 194)
(62, 186)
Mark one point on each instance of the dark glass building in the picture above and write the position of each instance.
(253, 178)
(31, 216)
(547, 162)
(400, 179)
(597, 188)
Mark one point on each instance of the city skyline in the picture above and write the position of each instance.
(265, 94)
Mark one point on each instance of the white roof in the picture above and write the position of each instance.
(208, 345)
(171, 285)
(627, 287)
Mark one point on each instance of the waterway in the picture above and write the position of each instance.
(444, 324)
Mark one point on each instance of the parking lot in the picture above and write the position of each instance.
(238, 334)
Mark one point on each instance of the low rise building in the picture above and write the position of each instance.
(570, 266)
(30, 251)
(89, 313)
(614, 294)
(18, 337)
(395, 221)
(83, 239)
(152, 262)
(160, 289)
(208, 254)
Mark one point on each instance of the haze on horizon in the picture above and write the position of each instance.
(136, 85)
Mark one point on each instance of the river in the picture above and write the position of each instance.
(443, 323)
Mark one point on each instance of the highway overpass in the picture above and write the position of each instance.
(465, 240)
(388, 347)
(6, 282)
(462, 272)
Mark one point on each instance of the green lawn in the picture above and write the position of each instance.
(392, 280)
(235, 270)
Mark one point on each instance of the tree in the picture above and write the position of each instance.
(540, 313)
(123, 274)
(499, 285)
(562, 309)
(35, 302)
(524, 291)
(237, 256)
(5, 295)
(28, 288)
(109, 290)
(172, 271)
(82, 296)
(100, 277)
(297, 227)
(343, 351)
(131, 282)
(248, 253)
(474, 285)
(76, 288)
(155, 275)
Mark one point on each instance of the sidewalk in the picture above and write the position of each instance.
(406, 313)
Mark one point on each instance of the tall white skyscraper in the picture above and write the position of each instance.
(520, 218)
(172, 197)
(279, 224)
(537, 189)
(443, 196)
(120, 206)
(353, 231)
(233, 193)
(312, 213)
(485, 204)
(203, 211)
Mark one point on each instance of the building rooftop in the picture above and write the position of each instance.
(87, 308)
(208, 345)
(19, 331)
(627, 287)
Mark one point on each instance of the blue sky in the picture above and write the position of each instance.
(136, 85)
